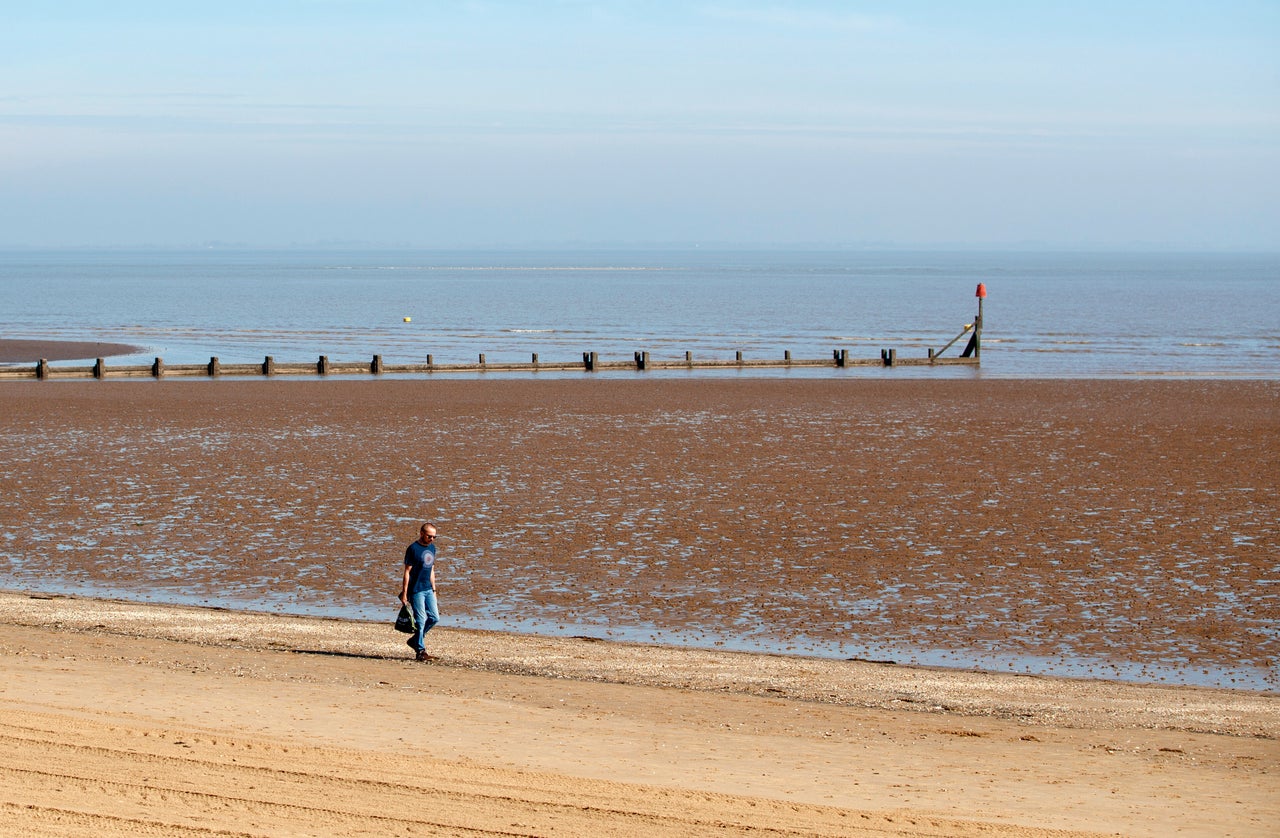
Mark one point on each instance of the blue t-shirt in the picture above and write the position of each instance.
(420, 558)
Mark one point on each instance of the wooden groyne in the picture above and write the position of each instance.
(591, 362)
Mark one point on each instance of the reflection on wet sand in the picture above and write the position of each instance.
(1106, 529)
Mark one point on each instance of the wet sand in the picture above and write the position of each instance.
(1094, 528)
(30, 351)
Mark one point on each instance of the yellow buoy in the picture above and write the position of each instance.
(408, 320)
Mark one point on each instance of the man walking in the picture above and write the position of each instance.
(418, 588)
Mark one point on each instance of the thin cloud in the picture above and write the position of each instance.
(799, 18)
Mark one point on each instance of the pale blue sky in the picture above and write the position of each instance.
(453, 124)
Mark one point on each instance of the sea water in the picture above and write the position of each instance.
(1046, 315)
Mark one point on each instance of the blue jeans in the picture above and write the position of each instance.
(426, 613)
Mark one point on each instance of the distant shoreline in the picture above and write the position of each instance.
(31, 351)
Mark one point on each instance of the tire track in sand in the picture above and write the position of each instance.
(71, 776)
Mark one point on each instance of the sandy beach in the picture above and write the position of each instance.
(123, 719)
(1131, 526)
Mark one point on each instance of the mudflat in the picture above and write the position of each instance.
(1093, 528)
(22, 351)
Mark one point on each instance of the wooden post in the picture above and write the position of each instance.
(99, 369)
(157, 367)
(268, 366)
(930, 354)
(42, 369)
(739, 355)
(322, 366)
(977, 327)
(888, 357)
(482, 359)
(430, 360)
(215, 369)
(841, 357)
(376, 366)
(534, 361)
(974, 348)
(589, 361)
(642, 360)
(977, 330)
(786, 356)
(688, 357)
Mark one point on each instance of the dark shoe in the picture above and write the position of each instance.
(423, 656)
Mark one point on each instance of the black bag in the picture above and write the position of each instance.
(405, 621)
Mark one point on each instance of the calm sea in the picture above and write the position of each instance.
(1047, 315)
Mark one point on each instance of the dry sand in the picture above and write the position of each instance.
(122, 719)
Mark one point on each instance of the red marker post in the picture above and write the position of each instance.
(975, 340)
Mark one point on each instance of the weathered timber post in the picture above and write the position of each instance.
(322, 366)
(268, 366)
(376, 366)
(642, 360)
(482, 359)
(42, 369)
(215, 369)
(430, 360)
(841, 357)
(977, 327)
(974, 348)
(534, 360)
(786, 356)
(157, 367)
(888, 357)
(688, 358)
(738, 356)
(930, 354)
(589, 361)
(99, 369)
